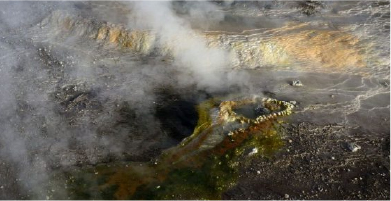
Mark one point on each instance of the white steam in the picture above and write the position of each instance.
(204, 65)
(62, 95)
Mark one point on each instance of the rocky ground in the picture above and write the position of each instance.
(317, 162)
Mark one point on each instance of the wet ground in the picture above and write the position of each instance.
(71, 102)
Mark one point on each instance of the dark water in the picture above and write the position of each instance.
(252, 111)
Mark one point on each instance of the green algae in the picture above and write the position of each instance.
(267, 142)
(204, 118)
(213, 173)
(206, 182)
(216, 175)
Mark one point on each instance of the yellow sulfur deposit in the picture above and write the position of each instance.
(294, 45)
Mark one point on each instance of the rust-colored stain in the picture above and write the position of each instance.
(129, 179)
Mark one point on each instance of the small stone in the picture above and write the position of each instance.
(253, 151)
(332, 95)
(286, 196)
(293, 102)
(258, 172)
(290, 141)
(297, 83)
(353, 147)
(157, 187)
(332, 158)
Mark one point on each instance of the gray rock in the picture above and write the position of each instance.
(253, 151)
(297, 83)
(353, 147)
